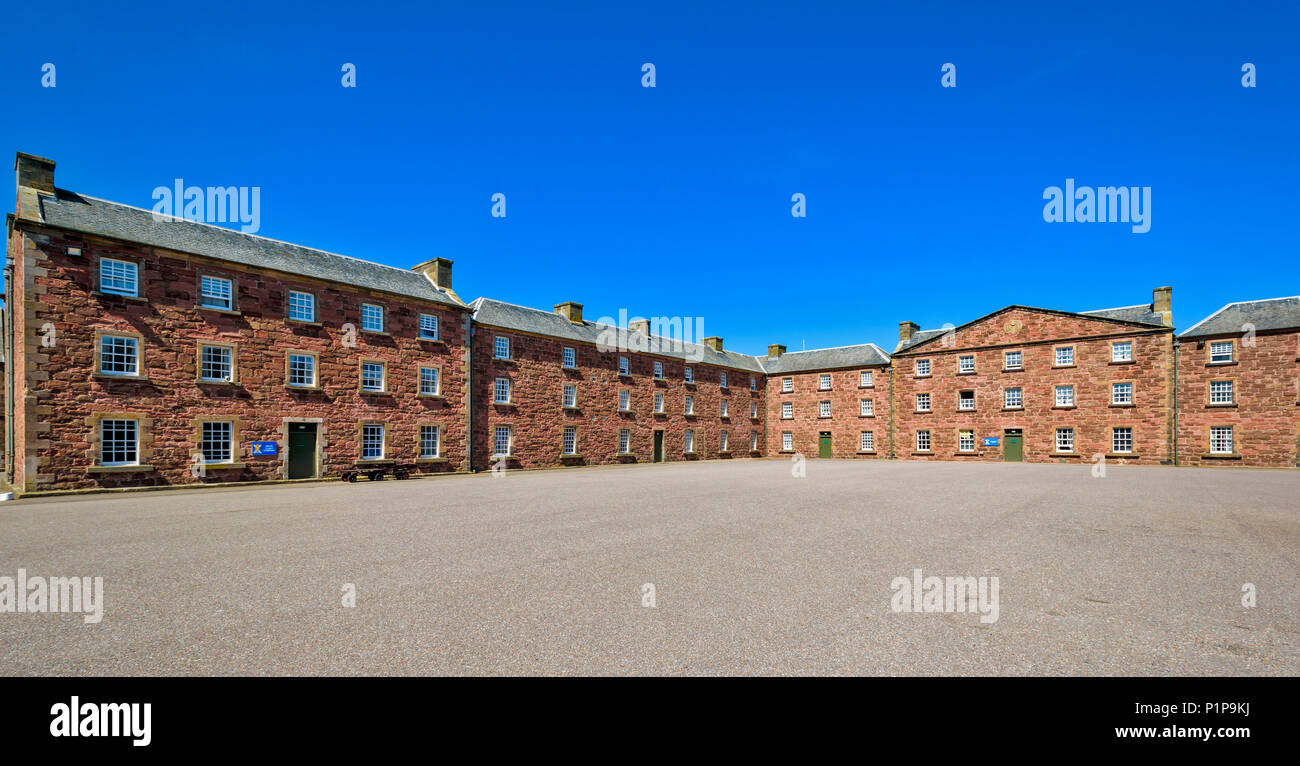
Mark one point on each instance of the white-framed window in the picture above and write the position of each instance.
(690, 405)
(623, 366)
(570, 396)
(119, 355)
(689, 375)
(372, 317)
(430, 384)
(823, 382)
(118, 277)
(429, 326)
(372, 441)
(217, 363)
(722, 441)
(1121, 351)
(501, 391)
(624, 441)
(1065, 396)
(868, 441)
(501, 441)
(753, 410)
(966, 364)
(787, 440)
(1221, 392)
(753, 383)
(216, 441)
(216, 293)
(965, 400)
(570, 357)
(1221, 352)
(430, 444)
(823, 409)
(570, 444)
(1065, 440)
(119, 442)
(787, 385)
(1012, 360)
(865, 378)
(1064, 356)
(1012, 398)
(965, 440)
(922, 367)
(753, 441)
(922, 402)
(501, 347)
(372, 376)
(302, 370)
(722, 380)
(625, 399)
(659, 402)
(787, 410)
(302, 306)
(659, 371)
(922, 441)
(1121, 393)
(690, 440)
(866, 407)
(1121, 439)
(1221, 442)
(723, 412)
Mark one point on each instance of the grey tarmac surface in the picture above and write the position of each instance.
(755, 572)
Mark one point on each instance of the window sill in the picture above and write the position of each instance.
(1229, 406)
(365, 392)
(972, 372)
(824, 417)
(865, 452)
(1063, 366)
(627, 375)
(959, 410)
(867, 416)
(218, 310)
(379, 333)
(725, 417)
(214, 382)
(1114, 406)
(689, 384)
(105, 376)
(625, 412)
(503, 404)
(659, 381)
(132, 298)
(1067, 454)
(922, 377)
(922, 452)
(373, 461)
(1122, 363)
(1121, 454)
(724, 452)
(1013, 369)
(503, 359)
(436, 397)
(570, 456)
(660, 414)
(1221, 456)
(433, 341)
(1066, 407)
(573, 408)
(785, 452)
(142, 468)
(863, 388)
(220, 466)
(1221, 364)
(724, 389)
(1013, 409)
(305, 322)
(966, 453)
(921, 412)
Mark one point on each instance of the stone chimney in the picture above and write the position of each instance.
(570, 311)
(775, 350)
(713, 342)
(35, 172)
(640, 326)
(906, 330)
(438, 270)
(1162, 303)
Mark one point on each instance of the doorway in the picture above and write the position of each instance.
(302, 450)
(1014, 449)
(824, 445)
(659, 447)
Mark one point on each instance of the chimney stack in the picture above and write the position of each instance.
(35, 172)
(1162, 303)
(906, 330)
(639, 326)
(775, 350)
(570, 311)
(713, 342)
(438, 270)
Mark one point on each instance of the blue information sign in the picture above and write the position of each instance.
(990, 441)
(263, 448)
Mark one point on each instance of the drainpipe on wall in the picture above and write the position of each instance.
(892, 455)
(1174, 435)
(6, 321)
(469, 393)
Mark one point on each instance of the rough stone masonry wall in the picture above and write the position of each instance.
(845, 423)
(69, 397)
(1266, 414)
(537, 416)
(1092, 417)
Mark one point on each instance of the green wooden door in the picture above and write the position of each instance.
(824, 448)
(1014, 452)
(659, 446)
(302, 450)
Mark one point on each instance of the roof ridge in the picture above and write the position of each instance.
(182, 219)
(828, 348)
(1114, 308)
(1227, 306)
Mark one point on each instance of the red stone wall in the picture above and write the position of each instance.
(845, 422)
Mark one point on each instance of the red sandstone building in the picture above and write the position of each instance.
(140, 352)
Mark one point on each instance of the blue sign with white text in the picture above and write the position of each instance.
(263, 448)
(990, 441)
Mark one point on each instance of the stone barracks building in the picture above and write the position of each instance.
(143, 352)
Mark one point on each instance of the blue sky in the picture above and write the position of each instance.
(923, 203)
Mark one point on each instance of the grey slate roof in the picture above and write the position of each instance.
(1268, 314)
(89, 215)
(540, 322)
(919, 337)
(1141, 313)
(864, 355)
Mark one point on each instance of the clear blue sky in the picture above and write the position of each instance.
(923, 203)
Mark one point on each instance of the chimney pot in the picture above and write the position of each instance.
(775, 350)
(713, 342)
(35, 172)
(570, 311)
